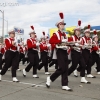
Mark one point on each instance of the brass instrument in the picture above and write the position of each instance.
(67, 43)
(77, 49)
(64, 45)
(89, 44)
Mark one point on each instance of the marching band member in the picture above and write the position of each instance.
(86, 51)
(3, 52)
(21, 53)
(49, 49)
(33, 47)
(11, 56)
(25, 58)
(38, 47)
(44, 48)
(96, 52)
(77, 52)
(53, 57)
(61, 55)
(25, 50)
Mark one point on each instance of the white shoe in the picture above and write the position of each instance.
(48, 82)
(66, 88)
(35, 76)
(19, 69)
(98, 73)
(47, 73)
(0, 77)
(24, 73)
(75, 73)
(83, 80)
(15, 79)
(90, 76)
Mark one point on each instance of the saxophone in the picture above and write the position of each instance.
(62, 45)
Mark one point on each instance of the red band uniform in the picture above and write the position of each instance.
(11, 57)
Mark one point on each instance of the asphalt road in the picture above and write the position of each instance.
(34, 89)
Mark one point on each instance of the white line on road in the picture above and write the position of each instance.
(40, 86)
(33, 85)
(20, 82)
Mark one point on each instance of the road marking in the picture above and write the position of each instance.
(40, 86)
(33, 85)
(19, 82)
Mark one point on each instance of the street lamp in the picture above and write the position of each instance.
(7, 24)
(2, 23)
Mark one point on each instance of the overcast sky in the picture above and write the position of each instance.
(43, 14)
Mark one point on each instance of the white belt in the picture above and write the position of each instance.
(45, 50)
(77, 49)
(62, 47)
(13, 50)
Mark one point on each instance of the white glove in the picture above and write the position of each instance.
(64, 40)
(83, 47)
(37, 44)
(48, 45)
(86, 44)
(76, 44)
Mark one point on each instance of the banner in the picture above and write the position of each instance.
(19, 31)
(67, 30)
(95, 27)
(70, 29)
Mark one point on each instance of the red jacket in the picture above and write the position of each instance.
(43, 47)
(85, 40)
(56, 39)
(96, 47)
(74, 39)
(70, 39)
(31, 43)
(8, 43)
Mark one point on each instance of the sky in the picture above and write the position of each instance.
(43, 14)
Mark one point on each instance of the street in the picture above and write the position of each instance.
(34, 89)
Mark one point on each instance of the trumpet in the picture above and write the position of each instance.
(89, 46)
(67, 43)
